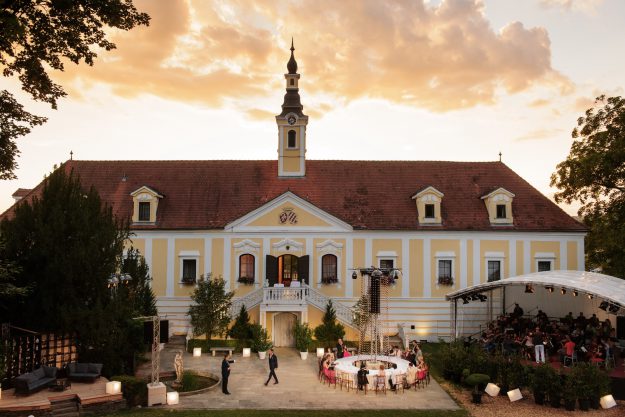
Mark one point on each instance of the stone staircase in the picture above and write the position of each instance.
(64, 408)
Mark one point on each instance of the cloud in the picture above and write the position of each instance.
(540, 134)
(541, 102)
(585, 6)
(437, 56)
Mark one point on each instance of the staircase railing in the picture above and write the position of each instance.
(319, 300)
(250, 300)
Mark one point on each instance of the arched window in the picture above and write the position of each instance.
(292, 142)
(329, 269)
(246, 269)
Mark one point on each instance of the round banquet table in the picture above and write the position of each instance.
(346, 365)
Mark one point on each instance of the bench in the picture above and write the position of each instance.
(221, 349)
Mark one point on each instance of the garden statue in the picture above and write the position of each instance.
(178, 366)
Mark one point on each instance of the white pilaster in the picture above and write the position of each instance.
(512, 272)
(148, 257)
(170, 267)
(311, 259)
(227, 261)
(368, 254)
(463, 263)
(427, 268)
(580, 255)
(266, 250)
(349, 260)
(208, 255)
(405, 260)
(563, 255)
(477, 261)
(526, 257)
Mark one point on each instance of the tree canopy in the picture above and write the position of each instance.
(39, 36)
(594, 174)
(330, 330)
(210, 311)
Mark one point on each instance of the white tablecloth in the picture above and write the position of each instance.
(346, 365)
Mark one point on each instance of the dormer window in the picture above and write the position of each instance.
(499, 206)
(501, 211)
(429, 206)
(429, 211)
(145, 204)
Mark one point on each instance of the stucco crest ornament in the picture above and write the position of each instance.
(288, 216)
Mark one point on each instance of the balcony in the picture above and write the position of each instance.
(285, 296)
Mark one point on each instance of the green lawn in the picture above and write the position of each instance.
(291, 413)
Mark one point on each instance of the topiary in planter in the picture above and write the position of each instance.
(478, 382)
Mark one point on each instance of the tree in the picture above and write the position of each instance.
(241, 330)
(210, 313)
(65, 244)
(140, 293)
(329, 331)
(594, 174)
(39, 36)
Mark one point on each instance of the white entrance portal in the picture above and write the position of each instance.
(283, 330)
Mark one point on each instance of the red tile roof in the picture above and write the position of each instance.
(21, 192)
(373, 195)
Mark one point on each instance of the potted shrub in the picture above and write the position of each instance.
(303, 338)
(554, 390)
(478, 382)
(540, 379)
(584, 376)
(598, 385)
(260, 340)
(569, 393)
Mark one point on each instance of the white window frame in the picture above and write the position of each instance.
(445, 256)
(246, 247)
(495, 256)
(287, 147)
(545, 257)
(189, 255)
(330, 247)
(386, 256)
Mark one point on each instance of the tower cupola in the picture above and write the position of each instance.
(292, 126)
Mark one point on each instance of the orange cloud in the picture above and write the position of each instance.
(441, 57)
(540, 134)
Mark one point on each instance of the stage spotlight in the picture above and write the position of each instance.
(475, 297)
(354, 275)
(575, 293)
(482, 297)
(614, 308)
(465, 300)
(562, 291)
(529, 289)
(604, 305)
(550, 289)
(590, 296)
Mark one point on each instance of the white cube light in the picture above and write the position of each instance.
(197, 352)
(607, 402)
(247, 352)
(173, 398)
(113, 387)
(320, 352)
(492, 389)
(515, 395)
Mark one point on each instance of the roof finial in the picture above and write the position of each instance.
(71, 155)
(292, 64)
(499, 156)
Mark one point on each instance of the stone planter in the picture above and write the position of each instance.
(261, 355)
(304, 355)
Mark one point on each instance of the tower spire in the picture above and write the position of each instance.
(292, 64)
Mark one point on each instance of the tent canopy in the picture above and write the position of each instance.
(609, 288)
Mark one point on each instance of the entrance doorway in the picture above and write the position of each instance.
(287, 269)
(283, 330)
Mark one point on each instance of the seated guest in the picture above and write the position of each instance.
(568, 349)
(362, 376)
(411, 374)
(392, 382)
(422, 369)
(330, 354)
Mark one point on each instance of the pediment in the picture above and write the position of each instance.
(288, 212)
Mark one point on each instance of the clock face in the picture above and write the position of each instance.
(291, 120)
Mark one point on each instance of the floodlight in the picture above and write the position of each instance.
(529, 289)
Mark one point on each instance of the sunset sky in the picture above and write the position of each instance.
(457, 80)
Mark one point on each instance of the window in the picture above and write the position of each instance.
(494, 271)
(429, 211)
(444, 272)
(287, 269)
(144, 211)
(246, 269)
(544, 266)
(292, 143)
(329, 269)
(501, 211)
(292, 81)
(387, 263)
(189, 270)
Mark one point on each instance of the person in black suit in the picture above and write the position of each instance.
(225, 373)
(340, 349)
(273, 365)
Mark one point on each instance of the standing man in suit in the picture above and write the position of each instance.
(225, 373)
(273, 365)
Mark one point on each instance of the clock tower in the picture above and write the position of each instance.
(292, 126)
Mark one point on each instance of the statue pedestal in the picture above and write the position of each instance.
(157, 394)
